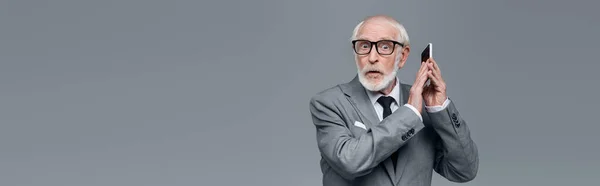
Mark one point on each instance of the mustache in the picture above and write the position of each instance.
(371, 69)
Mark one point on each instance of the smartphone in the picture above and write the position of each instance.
(427, 53)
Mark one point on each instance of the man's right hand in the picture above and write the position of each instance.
(415, 98)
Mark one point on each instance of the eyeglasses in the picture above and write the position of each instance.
(383, 47)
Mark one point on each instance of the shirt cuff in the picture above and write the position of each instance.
(415, 110)
(438, 108)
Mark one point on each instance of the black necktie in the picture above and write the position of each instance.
(386, 102)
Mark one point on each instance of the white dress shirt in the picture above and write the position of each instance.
(373, 96)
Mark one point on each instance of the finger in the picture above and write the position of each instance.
(421, 74)
(436, 68)
(436, 72)
(423, 67)
(437, 82)
(434, 79)
(430, 64)
(432, 68)
(423, 77)
(434, 63)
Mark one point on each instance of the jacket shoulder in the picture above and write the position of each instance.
(328, 94)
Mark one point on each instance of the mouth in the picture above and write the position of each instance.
(373, 73)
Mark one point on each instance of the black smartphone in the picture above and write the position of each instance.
(427, 53)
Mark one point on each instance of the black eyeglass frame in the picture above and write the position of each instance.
(374, 43)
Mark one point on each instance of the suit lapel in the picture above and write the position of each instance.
(361, 100)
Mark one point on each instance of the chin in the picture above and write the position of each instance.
(378, 83)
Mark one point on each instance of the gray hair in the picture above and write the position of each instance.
(402, 34)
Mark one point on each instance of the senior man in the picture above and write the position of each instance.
(375, 130)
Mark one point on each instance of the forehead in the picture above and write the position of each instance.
(377, 30)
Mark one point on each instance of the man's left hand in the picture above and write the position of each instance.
(434, 94)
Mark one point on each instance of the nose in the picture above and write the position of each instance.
(373, 55)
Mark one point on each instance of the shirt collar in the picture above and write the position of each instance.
(373, 96)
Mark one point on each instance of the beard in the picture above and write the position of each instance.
(372, 84)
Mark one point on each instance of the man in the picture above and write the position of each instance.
(375, 130)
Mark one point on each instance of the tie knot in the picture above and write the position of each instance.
(385, 101)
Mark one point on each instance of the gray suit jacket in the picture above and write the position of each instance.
(351, 155)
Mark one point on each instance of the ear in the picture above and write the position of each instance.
(405, 51)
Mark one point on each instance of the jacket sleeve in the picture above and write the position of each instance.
(456, 155)
(354, 156)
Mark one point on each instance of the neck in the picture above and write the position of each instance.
(389, 89)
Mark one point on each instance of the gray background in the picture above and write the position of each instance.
(183, 92)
